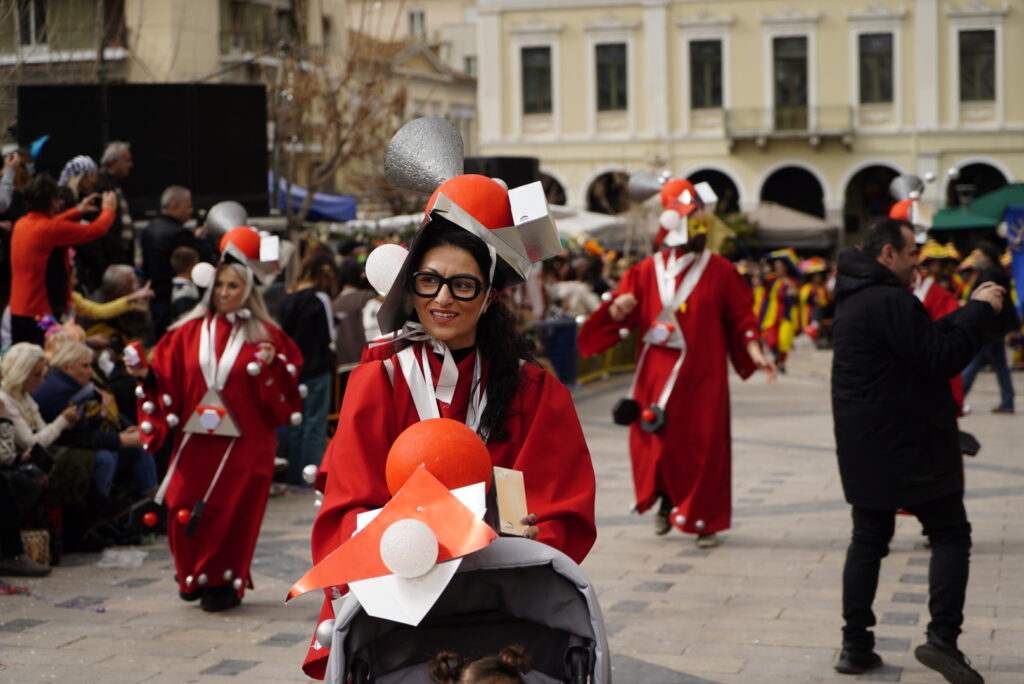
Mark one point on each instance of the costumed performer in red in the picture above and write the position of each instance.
(457, 354)
(230, 375)
(694, 311)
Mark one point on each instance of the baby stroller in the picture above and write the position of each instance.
(514, 591)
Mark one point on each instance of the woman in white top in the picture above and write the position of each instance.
(24, 368)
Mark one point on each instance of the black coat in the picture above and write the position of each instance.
(895, 418)
(160, 238)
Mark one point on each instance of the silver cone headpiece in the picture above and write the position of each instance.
(423, 154)
(642, 186)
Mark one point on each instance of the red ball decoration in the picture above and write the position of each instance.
(671, 191)
(647, 415)
(244, 238)
(452, 452)
(150, 519)
(483, 198)
(183, 515)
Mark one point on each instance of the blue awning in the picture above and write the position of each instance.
(325, 206)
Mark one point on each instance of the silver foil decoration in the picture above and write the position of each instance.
(224, 216)
(423, 154)
(901, 186)
(325, 632)
(642, 186)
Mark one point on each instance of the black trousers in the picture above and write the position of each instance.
(945, 523)
(10, 518)
(25, 329)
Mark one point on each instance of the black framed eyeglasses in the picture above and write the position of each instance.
(463, 287)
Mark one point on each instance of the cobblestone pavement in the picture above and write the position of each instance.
(763, 608)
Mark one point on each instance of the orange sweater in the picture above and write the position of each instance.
(33, 238)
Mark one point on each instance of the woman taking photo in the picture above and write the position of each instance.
(458, 355)
(229, 375)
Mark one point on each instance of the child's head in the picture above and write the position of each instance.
(182, 261)
(507, 667)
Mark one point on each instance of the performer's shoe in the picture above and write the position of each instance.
(945, 659)
(707, 541)
(857, 661)
(190, 595)
(661, 523)
(217, 599)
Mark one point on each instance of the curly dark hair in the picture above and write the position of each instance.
(507, 667)
(497, 334)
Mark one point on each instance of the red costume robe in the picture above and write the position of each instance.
(545, 442)
(689, 458)
(939, 302)
(225, 536)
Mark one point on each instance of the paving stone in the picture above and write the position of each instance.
(630, 606)
(694, 553)
(136, 582)
(749, 501)
(772, 481)
(908, 597)
(634, 671)
(82, 602)
(900, 618)
(19, 624)
(674, 568)
(760, 490)
(659, 587)
(284, 639)
(75, 560)
(886, 673)
(892, 644)
(919, 560)
(914, 579)
(230, 667)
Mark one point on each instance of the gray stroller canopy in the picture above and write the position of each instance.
(514, 591)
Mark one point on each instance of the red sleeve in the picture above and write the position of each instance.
(352, 474)
(739, 321)
(276, 388)
(64, 232)
(163, 389)
(560, 491)
(600, 331)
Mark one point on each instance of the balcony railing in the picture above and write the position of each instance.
(789, 122)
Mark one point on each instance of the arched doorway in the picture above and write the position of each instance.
(796, 188)
(974, 181)
(867, 196)
(728, 193)
(553, 190)
(607, 193)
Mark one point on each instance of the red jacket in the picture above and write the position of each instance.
(34, 236)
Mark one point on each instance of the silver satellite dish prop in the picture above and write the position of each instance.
(423, 154)
(901, 186)
(224, 216)
(642, 186)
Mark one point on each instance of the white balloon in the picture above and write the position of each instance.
(382, 266)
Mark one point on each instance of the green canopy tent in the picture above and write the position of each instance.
(984, 212)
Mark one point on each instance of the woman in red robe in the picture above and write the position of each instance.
(231, 376)
(459, 356)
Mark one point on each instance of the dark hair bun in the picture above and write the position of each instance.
(445, 667)
(517, 657)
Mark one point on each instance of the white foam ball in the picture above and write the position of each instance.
(253, 368)
(382, 266)
(139, 392)
(669, 219)
(172, 420)
(148, 407)
(146, 427)
(202, 274)
(325, 632)
(309, 473)
(296, 418)
(408, 548)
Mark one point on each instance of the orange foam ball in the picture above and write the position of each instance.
(483, 198)
(672, 189)
(448, 449)
(245, 239)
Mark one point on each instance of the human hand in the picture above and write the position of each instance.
(26, 455)
(12, 161)
(991, 294)
(70, 414)
(130, 437)
(109, 200)
(531, 530)
(200, 231)
(622, 306)
(140, 371)
(762, 362)
(88, 203)
(266, 352)
(6, 226)
(143, 294)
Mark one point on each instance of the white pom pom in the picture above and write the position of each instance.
(929, 177)
(680, 520)
(172, 420)
(502, 183)
(146, 427)
(913, 194)
(228, 575)
(237, 584)
(296, 418)
(253, 368)
(623, 333)
(670, 220)
(292, 370)
(699, 525)
(325, 632)
(202, 274)
(148, 407)
(382, 266)
(303, 391)
(318, 503)
(139, 392)
(309, 473)
(581, 319)
(408, 548)
(166, 399)
(606, 297)
(188, 581)
(202, 580)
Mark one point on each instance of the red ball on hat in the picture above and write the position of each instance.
(672, 189)
(244, 238)
(901, 210)
(448, 449)
(482, 197)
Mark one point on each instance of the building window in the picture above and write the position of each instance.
(417, 24)
(790, 70)
(875, 67)
(705, 74)
(469, 65)
(32, 22)
(611, 77)
(327, 33)
(536, 80)
(977, 66)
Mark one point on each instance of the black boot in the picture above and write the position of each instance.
(853, 660)
(220, 598)
(944, 657)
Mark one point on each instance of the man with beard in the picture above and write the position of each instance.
(897, 439)
(693, 310)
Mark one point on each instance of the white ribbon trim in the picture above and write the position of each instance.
(215, 371)
(425, 393)
(922, 287)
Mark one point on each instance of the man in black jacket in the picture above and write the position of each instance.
(896, 437)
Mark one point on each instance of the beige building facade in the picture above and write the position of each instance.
(813, 104)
